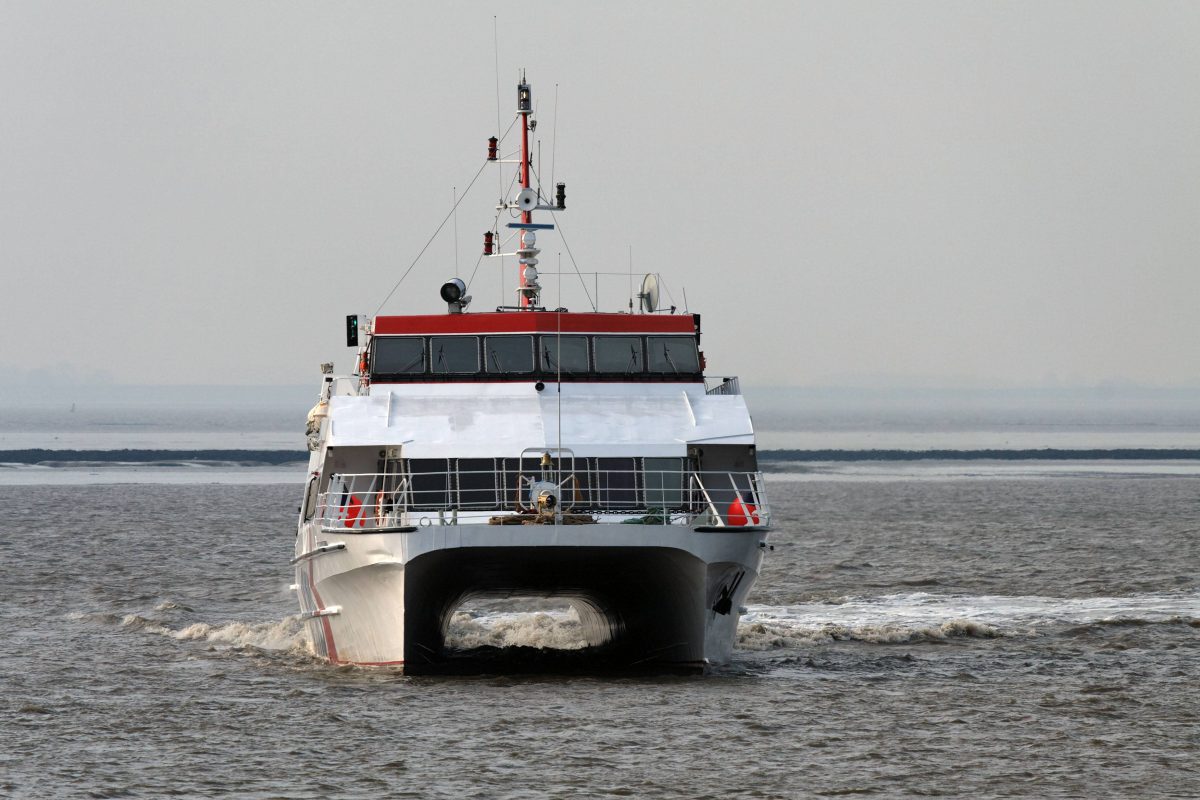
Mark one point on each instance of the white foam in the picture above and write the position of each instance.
(286, 634)
(770, 636)
(887, 619)
(559, 630)
(886, 471)
(920, 616)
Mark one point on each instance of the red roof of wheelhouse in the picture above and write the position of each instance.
(536, 322)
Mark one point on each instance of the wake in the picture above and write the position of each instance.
(923, 617)
(911, 618)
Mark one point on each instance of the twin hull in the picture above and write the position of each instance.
(647, 596)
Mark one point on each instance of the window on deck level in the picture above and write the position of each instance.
(664, 482)
(430, 483)
(477, 483)
(617, 482)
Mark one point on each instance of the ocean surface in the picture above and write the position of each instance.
(928, 631)
(921, 628)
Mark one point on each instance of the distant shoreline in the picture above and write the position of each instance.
(246, 458)
(1040, 454)
(45, 457)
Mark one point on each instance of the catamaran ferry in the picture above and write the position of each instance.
(529, 452)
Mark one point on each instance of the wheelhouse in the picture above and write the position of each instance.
(540, 346)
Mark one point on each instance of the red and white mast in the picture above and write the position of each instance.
(528, 260)
(526, 202)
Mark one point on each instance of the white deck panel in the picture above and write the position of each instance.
(482, 420)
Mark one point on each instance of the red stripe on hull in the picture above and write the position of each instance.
(325, 626)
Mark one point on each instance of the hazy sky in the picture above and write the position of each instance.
(954, 194)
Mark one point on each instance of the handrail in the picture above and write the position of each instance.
(712, 507)
(726, 386)
(379, 501)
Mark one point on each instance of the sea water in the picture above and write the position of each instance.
(972, 628)
(944, 630)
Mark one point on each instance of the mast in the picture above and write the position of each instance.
(526, 202)
(527, 281)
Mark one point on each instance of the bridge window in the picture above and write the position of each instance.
(673, 354)
(530, 357)
(454, 354)
(399, 355)
(619, 354)
(508, 353)
(570, 353)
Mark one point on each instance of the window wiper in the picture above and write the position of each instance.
(633, 359)
(441, 359)
(552, 364)
(418, 360)
(667, 356)
(495, 360)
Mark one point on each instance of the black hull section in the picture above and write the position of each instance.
(641, 608)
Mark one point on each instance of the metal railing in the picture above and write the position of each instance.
(726, 386)
(382, 501)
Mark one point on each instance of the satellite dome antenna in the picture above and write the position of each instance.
(648, 296)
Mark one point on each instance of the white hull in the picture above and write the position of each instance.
(647, 595)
